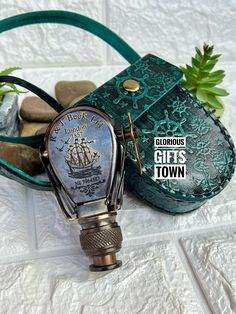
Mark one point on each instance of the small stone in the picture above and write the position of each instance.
(30, 128)
(9, 115)
(77, 99)
(22, 157)
(41, 131)
(36, 110)
(67, 91)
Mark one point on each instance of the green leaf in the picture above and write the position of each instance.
(210, 82)
(215, 57)
(207, 49)
(212, 78)
(217, 73)
(214, 102)
(192, 70)
(5, 91)
(9, 70)
(188, 86)
(14, 88)
(215, 80)
(206, 85)
(189, 71)
(215, 76)
(201, 95)
(217, 91)
(209, 66)
(183, 69)
(198, 52)
(210, 63)
(190, 74)
(195, 62)
(191, 80)
(203, 74)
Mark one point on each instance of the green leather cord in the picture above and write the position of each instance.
(74, 19)
(7, 170)
(61, 17)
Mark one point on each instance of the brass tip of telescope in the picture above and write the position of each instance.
(105, 262)
(101, 239)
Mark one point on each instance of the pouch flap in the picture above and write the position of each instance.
(154, 76)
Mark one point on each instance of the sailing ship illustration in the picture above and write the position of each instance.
(80, 158)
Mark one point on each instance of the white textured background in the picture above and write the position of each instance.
(169, 28)
(184, 264)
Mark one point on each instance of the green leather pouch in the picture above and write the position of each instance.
(160, 107)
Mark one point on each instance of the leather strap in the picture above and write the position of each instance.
(7, 170)
(74, 19)
(61, 17)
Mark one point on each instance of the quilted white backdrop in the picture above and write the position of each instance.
(172, 264)
(171, 29)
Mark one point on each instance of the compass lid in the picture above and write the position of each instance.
(82, 149)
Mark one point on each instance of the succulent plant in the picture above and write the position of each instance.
(201, 80)
(6, 88)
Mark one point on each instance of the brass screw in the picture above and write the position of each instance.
(131, 85)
